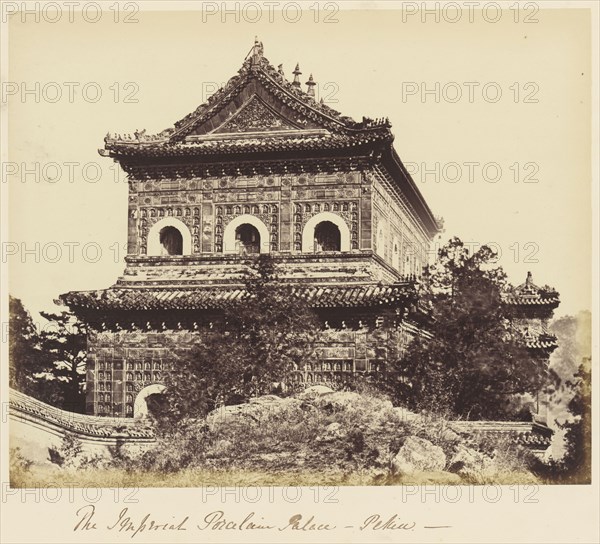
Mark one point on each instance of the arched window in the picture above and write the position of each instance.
(247, 239)
(169, 236)
(246, 234)
(325, 231)
(327, 237)
(171, 241)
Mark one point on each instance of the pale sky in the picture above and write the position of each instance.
(369, 62)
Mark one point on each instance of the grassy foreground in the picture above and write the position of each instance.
(55, 477)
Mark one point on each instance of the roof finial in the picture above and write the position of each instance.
(529, 279)
(280, 70)
(296, 72)
(311, 86)
(257, 50)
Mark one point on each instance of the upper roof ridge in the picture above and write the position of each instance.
(255, 65)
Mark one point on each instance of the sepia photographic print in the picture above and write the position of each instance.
(299, 271)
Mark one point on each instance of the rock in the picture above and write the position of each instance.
(275, 456)
(221, 447)
(265, 399)
(339, 401)
(448, 435)
(256, 409)
(315, 391)
(470, 463)
(373, 475)
(334, 428)
(405, 415)
(418, 455)
(332, 431)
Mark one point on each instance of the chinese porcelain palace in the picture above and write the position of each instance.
(262, 167)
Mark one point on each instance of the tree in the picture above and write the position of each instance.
(570, 398)
(473, 360)
(63, 342)
(24, 355)
(577, 460)
(48, 364)
(256, 344)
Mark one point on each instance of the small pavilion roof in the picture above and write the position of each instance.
(529, 294)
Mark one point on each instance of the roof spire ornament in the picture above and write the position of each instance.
(280, 70)
(310, 91)
(529, 279)
(257, 51)
(297, 73)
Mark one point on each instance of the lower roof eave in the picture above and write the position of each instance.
(218, 298)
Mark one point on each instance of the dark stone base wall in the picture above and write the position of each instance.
(121, 364)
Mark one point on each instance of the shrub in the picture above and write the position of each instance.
(20, 467)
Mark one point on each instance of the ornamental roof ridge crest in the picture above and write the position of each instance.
(257, 66)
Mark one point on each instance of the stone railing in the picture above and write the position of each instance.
(529, 434)
(36, 428)
(24, 407)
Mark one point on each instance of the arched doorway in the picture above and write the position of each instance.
(140, 406)
(327, 237)
(171, 241)
(247, 239)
